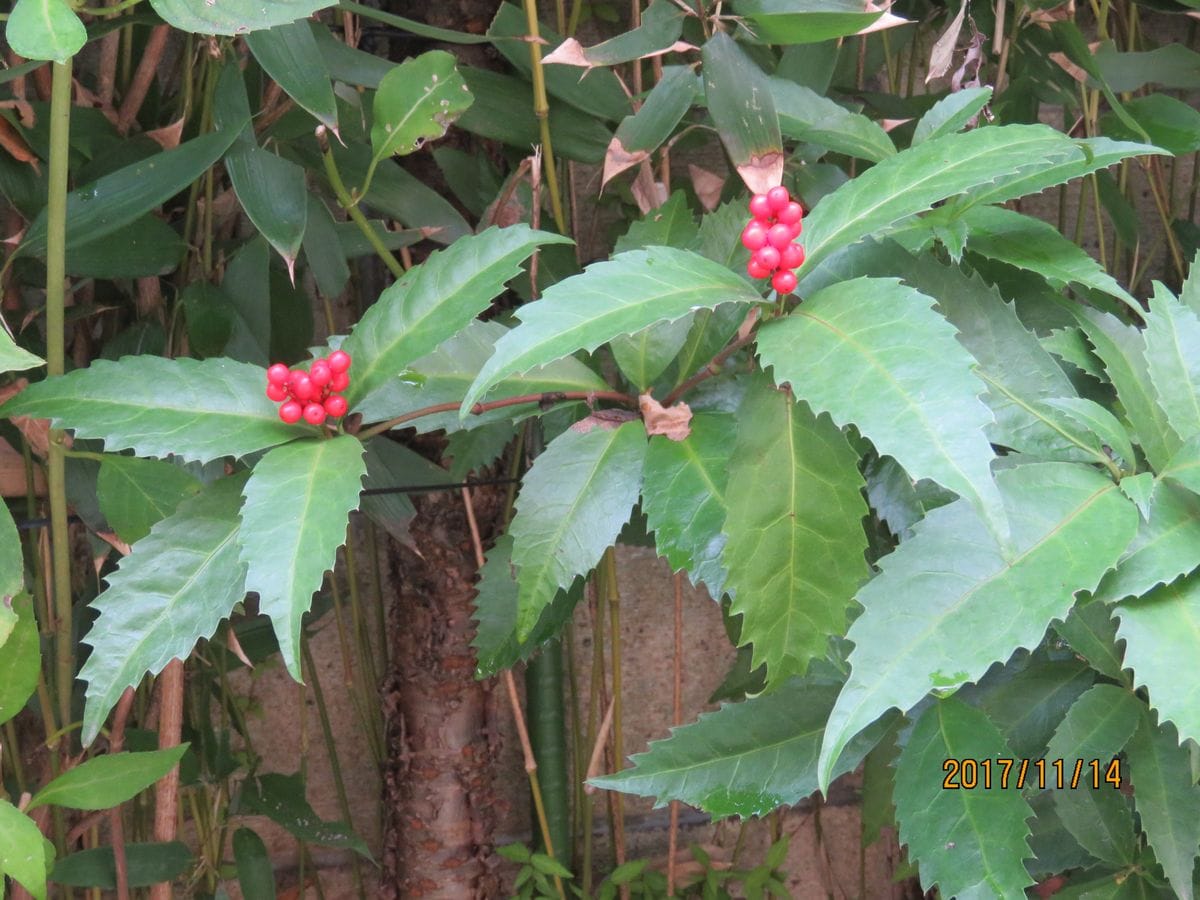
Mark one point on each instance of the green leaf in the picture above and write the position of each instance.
(740, 102)
(233, 16)
(645, 131)
(45, 29)
(135, 493)
(20, 661)
(1167, 800)
(1162, 646)
(1027, 699)
(1163, 549)
(23, 850)
(1101, 820)
(1169, 123)
(14, 358)
(273, 195)
(970, 843)
(794, 554)
(1173, 360)
(1184, 466)
(417, 101)
(496, 644)
(913, 181)
(475, 448)
(1139, 488)
(622, 296)
(950, 114)
(199, 410)
(683, 497)
(670, 225)
(661, 25)
(810, 22)
(1091, 632)
(1094, 420)
(1169, 66)
(914, 396)
(573, 503)
(145, 864)
(433, 301)
(113, 201)
(1036, 246)
(323, 252)
(289, 54)
(293, 521)
(1069, 525)
(149, 246)
(106, 781)
(1122, 349)
(176, 586)
(1097, 726)
(807, 116)
(746, 759)
(391, 465)
(255, 875)
(282, 799)
(644, 356)
(12, 571)
(413, 27)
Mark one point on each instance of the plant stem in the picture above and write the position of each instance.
(608, 584)
(56, 250)
(541, 110)
(349, 204)
(166, 791)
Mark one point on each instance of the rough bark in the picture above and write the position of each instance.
(440, 804)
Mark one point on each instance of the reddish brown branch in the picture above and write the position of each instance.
(713, 368)
(166, 791)
(143, 77)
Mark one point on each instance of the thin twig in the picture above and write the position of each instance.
(596, 761)
(116, 828)
(677, 719)
(166, 791)
(713, 368)
(135, 96)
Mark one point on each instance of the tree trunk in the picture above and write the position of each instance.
(439, 803)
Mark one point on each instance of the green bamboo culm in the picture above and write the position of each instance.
(548, 736)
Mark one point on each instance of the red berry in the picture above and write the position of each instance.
(754, 235)
(793, 256)
(791, 214)
(314, 414)
(336, 405)
(320, 373)
(340, 381)
(277, 392)
(779, 236)
(291, 412)
(784, 281)
(777, 199)
(760, 206)
(302, 387)
(767, 257)
(797, 228)
(339, 361)
(754, 270)
(278, 374)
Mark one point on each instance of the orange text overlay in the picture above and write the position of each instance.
(972, 774)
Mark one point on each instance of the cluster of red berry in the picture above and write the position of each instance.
(777, 221)
(314, 394)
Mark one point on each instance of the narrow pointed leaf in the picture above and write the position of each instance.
(45, 29)
(794, 554)
(136, 493)
(111, 202)
(950, 114)
(1173, 359)
(146, 864)
(969, 843)
(196, 409)
(273, 194)
(683, 497)
(23, 850)
(746, 759)
(622, 296)
(913, 395)
(1100, 819)
(573, 503)
(807, 116)
(290, 55)
(1184, 467)
(282, 799)
(642, 133)
(1097, 726)
(1091, 632)
(256, 877)
(417, 101)
(1037, 246)
(810, 22)
(1093, 419)
(106, 781)
(1162, 645)
(21, 659)
(293, 521)
(234, 16)
(433, 301)
(1167, 800)
(14, 358)
(739, 100)
(1163, 549)
(644, 356)
(661, 25)
(1027, 704)
(1069, 526)
(176, 586)
(1122, 349)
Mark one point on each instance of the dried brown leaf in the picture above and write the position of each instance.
(607, 419)
(674, 423)
(762, 173)
(707, 185)
(617, 159)
(168, 136)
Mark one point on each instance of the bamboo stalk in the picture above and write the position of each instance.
(541, 111)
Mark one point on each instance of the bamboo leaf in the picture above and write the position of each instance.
(622, 296)
(810, 22)
(794, 553)
(969, 843)
(433, 301)
(23, 850)
(145, 864)
(234, 16)
(417, 101)
(293, 521)
(14, 358)
(198, 410)
(256, 877)
(1069, 525)
(290, 55)
(573, 503)
(106, 781)
(807, 116)
(283, 800)
(740, 102)
(642, 133)
(905, 357)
